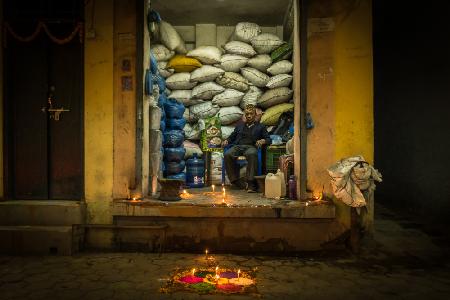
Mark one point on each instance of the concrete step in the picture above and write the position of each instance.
(36, 240)
(42, 212)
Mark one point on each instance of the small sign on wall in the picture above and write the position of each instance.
(127, 83)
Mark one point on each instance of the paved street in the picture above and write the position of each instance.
(402, 263)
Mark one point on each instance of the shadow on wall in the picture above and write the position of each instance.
(412, 108)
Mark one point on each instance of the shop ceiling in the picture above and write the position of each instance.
(221, 12)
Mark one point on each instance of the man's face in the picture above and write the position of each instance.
(250, 115)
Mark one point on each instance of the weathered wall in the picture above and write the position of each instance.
(98, 113)
(124, 98)
(340, 88)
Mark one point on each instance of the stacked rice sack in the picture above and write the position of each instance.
(252, 68)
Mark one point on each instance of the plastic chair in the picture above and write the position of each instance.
(241, 161)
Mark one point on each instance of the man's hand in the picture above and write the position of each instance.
(224, 143)
(260, 142)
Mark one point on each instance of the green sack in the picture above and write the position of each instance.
(211, 139)
(282, 52)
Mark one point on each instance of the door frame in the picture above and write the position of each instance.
(8, 175)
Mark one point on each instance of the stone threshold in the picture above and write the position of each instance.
(191, 209)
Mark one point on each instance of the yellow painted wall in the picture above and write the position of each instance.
(98, 113)
(353, 84)
(340, 89)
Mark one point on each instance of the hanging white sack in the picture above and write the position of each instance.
(161, 53)
(251, 97)
(260, 62)
(240, 48)
(233, 80)
(275, 96)
(281, 67)
(180, 81)
(229, 97)
(171, 39)
(229, 115)
(155, 117)
(207, 90)
(255, 76)
(280, 80)
(245, 31)
(266, 43)
(232, 62)
(206, 73)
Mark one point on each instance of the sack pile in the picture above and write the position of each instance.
(252, 68)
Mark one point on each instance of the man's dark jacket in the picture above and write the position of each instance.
(259, 131)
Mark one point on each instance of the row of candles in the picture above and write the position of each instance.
(213, 187)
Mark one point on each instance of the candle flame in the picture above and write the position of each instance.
(193, 271)
(239, 271)
(217, 269)
(184, 192)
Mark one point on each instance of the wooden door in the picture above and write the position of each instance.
(44, 154)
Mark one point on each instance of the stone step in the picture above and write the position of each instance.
(36, 240)
(42, 212)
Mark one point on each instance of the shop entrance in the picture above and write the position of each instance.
(43, 108)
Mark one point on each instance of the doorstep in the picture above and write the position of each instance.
(238, 204)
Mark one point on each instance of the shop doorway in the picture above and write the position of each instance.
(43, 110)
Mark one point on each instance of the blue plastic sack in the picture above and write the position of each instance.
(153, 64)
(162, 126)
(174, 154)
(173, 168)
(179, 176)
(177, 124)
(148, 86)
(160, 81)
(174, 109)
(161, 101)
(173, 138)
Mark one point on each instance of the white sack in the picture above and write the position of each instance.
(279, 80)
(275, 96)
(233, 80)
(255, 77)
(266, 43)
(245, 31)
(185, 97)
(160, 52)
(229, 97)
(281, 67)
(203, 110)
(207, 90)
(206, 73)
(240, 48)
(251, 97)
(232, 62)
(163, 71)
(171, 39)
(226, 131)
(260, 62)
(191, 132)
(229, 115)
(180, 81)
(206, 54)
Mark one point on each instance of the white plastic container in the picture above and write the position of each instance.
(283, 182)
(273, 186)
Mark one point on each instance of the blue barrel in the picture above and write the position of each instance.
(195, 172)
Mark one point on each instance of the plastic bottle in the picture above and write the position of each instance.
(273, 186)
(292, 188)
(282, 182)
(195, 172)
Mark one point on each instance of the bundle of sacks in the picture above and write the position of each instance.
(252, 68)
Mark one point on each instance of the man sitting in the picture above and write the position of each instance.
(245, 138)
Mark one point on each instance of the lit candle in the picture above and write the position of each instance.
(217, 270)
(213, 187)
(206, 254)
(239, 271)
(193, 271)
(184, 192)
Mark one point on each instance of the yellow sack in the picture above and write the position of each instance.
(181, 63)
(271, 115)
